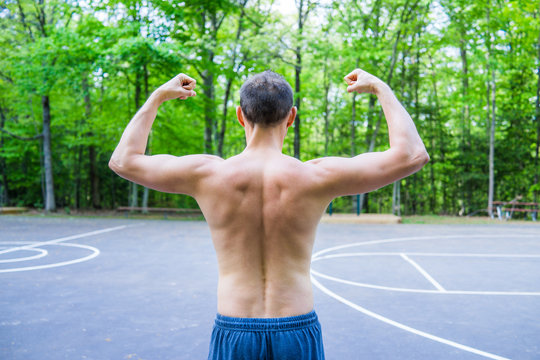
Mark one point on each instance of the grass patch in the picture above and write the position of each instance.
(112, 214)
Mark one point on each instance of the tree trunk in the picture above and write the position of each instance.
(133, 195)
(221, 138)
(433, 188)
(137, 98)
(466, 194)
(537, 120)
(297, 102)
(465, 91)
(148, 150)
(440, 138)
(50, 204)
(78, 178)
(297, 86)
(94, 178)
(492, 122)
(416, 81)
(326, 110)
(4, 197)
(113, 180)
(208, 90)
(326, 121)
(134, 200)
(492, 145)
(92, 156)
(396, 198)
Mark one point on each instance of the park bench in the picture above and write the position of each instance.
(506, 209)
(164, 211)
(12, 210)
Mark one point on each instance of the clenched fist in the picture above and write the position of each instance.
(362, 82)
(179, 87)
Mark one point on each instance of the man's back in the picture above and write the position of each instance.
(263, 212)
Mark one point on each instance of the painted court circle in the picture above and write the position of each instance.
(15, 247)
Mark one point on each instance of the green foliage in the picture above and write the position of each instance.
(99, 60)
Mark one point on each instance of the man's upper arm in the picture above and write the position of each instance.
(338, 176)
(168, 173)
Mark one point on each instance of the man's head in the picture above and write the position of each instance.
(266, 99)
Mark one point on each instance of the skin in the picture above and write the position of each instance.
(262, 206)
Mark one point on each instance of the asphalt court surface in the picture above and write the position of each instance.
(132, 289)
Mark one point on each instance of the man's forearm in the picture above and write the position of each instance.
(401, 128)
(135, 136)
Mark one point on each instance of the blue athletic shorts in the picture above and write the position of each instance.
(296, 337)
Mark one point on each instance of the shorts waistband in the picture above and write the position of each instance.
(267, 324)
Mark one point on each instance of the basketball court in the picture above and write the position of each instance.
(74, 288)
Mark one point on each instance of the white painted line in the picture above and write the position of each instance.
(55, 241)
(533, 256)
(95, 252)
(424, 273)
(419, 238)
(318, 256)
(403, 326)
(41, 254)
(424, 291)
(15, 243)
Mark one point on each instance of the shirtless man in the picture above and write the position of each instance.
(263, 208)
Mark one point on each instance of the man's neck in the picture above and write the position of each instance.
(265, 138)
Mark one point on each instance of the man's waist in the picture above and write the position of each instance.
(267, 324)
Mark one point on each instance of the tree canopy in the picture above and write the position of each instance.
(73, 73)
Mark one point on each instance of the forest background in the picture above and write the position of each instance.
(73, 73)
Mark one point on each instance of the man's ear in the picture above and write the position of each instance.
(292, 116)
(240, 116)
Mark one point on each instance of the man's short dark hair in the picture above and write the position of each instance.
(266, 98)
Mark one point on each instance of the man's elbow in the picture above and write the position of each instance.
(420, 158)
(115, 165)
(123, 165)
(112, 164)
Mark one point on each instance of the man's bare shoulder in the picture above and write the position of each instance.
(303, 175)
